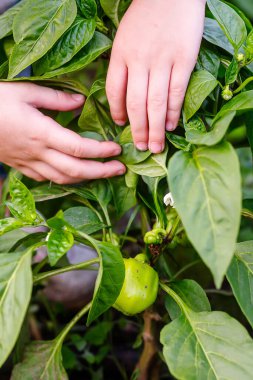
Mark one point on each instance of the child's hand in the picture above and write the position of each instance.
(153, 55)
(42, 149)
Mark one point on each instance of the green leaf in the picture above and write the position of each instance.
(95, 115)
(206, 345)
(4, 70)
(9, 224)
(88, 8)
(73, 40)
(219, 128)
(238, 105)
(202, 83)
(6, 19)
(48, 192)
(214, 34)
(153, 166)
(109, 280)
(130, 155)
(232, 72)
(9, 239)
(179, 142)
(36, 28)
(83, 219)
(123, 197)
(22, 204)
(97, 45)
(208, 60)
(115, 9)
(191, 293)
(230, 22)
(240, 277)
(59, 242)
(15, 294)
(206, 187)
(42, 361)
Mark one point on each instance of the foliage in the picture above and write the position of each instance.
(193, 246)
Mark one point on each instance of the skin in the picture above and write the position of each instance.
(153, 55)
(42, 149)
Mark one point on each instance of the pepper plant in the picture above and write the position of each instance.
(193, 245)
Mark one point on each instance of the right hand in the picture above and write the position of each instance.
(39, 147)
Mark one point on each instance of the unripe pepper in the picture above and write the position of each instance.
(155, 236)
(140, 287)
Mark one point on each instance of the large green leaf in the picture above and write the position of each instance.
(15, 294)
(214, 34)
(202, 83)
(98, 45)
(191, 294)
(240, 277)
(109, 280)
(206, 345)
(42, 361)
(230, 22)
(36, 28)
(206, 187)
(6, 19)
(115, 9)
(73, 40)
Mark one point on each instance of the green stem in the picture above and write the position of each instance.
(174, 295)
(72, 323)
(182, 270)
(109, 224)
(173, 231)
(240, 88)
(40, 265)
(86, 264)
(247, 213)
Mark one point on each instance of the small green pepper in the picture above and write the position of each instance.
(139, 289)
(155, 236)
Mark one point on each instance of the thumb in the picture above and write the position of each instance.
(47, 98)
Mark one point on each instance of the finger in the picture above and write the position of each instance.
(137, 105)
(178, 84)
(71, 143)
(79, 170)
(116, 84)
(157, 107)
(47, 98)
(51, 174)
(28, 172)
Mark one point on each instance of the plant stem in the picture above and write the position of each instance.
(247, 213)
(86, 264)
(72, 323)
(241, 87)
(174, 295)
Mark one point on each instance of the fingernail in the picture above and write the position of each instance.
(156, 147)
(77, 97)
(141, 146)
(117, 151)
(121, 123)
(121, 171)
(169, 126)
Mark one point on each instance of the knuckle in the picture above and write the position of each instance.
(133, 105)
(178, 91)
(59, 179)
(60, 95)
(156, 101)
(77, 150)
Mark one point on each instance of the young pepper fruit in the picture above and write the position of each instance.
(140, 286)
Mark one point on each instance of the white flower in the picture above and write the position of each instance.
(168, 200)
